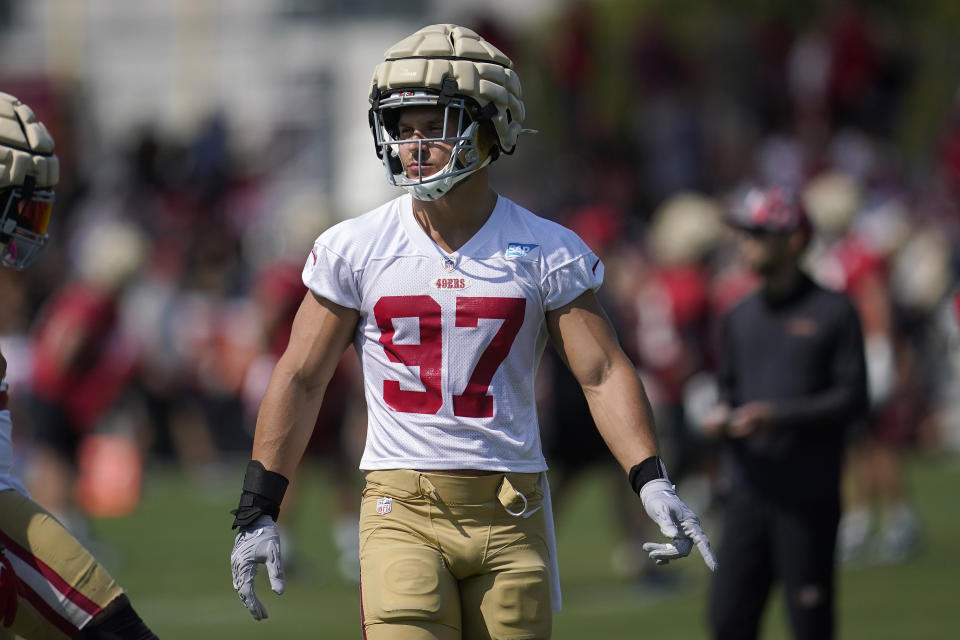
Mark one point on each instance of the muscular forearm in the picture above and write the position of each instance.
(287, 416)
(321, 332)
(621, 411)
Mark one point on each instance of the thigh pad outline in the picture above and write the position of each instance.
(408, 583)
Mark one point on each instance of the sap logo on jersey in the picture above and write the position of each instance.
(384, 506)
(450, 283)
(518, 250)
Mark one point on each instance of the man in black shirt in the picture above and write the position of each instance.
(791, 378)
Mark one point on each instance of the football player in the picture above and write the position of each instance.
(448, 293)
(880, 522)
(50, 586)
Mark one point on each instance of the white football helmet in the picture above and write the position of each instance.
(833, 200)
(28, 172)
(452, 67)
(684, 229)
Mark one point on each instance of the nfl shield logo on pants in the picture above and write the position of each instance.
(384, 505)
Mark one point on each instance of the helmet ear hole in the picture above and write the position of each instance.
(468, 156)
(485, 144)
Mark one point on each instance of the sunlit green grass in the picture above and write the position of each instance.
(172, 557)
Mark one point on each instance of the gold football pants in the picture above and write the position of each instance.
(454, 558)
(60, 585)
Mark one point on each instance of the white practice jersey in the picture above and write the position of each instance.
(449, 343)
(7, 479)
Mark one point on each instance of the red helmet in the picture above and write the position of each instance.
(771, 210)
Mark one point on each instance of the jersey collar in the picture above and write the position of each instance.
(425, 243)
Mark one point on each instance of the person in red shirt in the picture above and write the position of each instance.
(82, 363)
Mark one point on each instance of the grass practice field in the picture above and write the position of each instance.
(172, 555)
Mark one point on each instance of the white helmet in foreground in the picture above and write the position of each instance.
(452, 67)
(28, 172)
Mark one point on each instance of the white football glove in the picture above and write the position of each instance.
(256, 544)
(676, 520)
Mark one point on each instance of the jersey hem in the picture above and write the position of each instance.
(440, 465)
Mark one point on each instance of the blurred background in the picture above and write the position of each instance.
(204, 145)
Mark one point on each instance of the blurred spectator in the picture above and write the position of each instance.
(921, 286)
(572, 67)
(664, 118)
(673, 323)
(571, 443)
(844, 260)
(948, 322)
(853, 64)
(948, 151)
(82, 362)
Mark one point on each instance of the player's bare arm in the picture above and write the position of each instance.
(588, 345)
(320, 334)
(322, 331)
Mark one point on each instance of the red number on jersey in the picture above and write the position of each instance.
(474, 402)
(428, 354)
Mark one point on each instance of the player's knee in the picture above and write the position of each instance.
(518, 606)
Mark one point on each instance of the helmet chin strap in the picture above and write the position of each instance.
(435, 190)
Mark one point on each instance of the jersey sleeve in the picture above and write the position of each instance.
(576, 273)
(330, 276)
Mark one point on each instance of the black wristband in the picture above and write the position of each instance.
(262, 494)
(650, 469)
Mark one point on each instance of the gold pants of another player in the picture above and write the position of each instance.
(443, 558)
(61, 586)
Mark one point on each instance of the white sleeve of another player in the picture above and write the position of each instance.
(330, 276)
